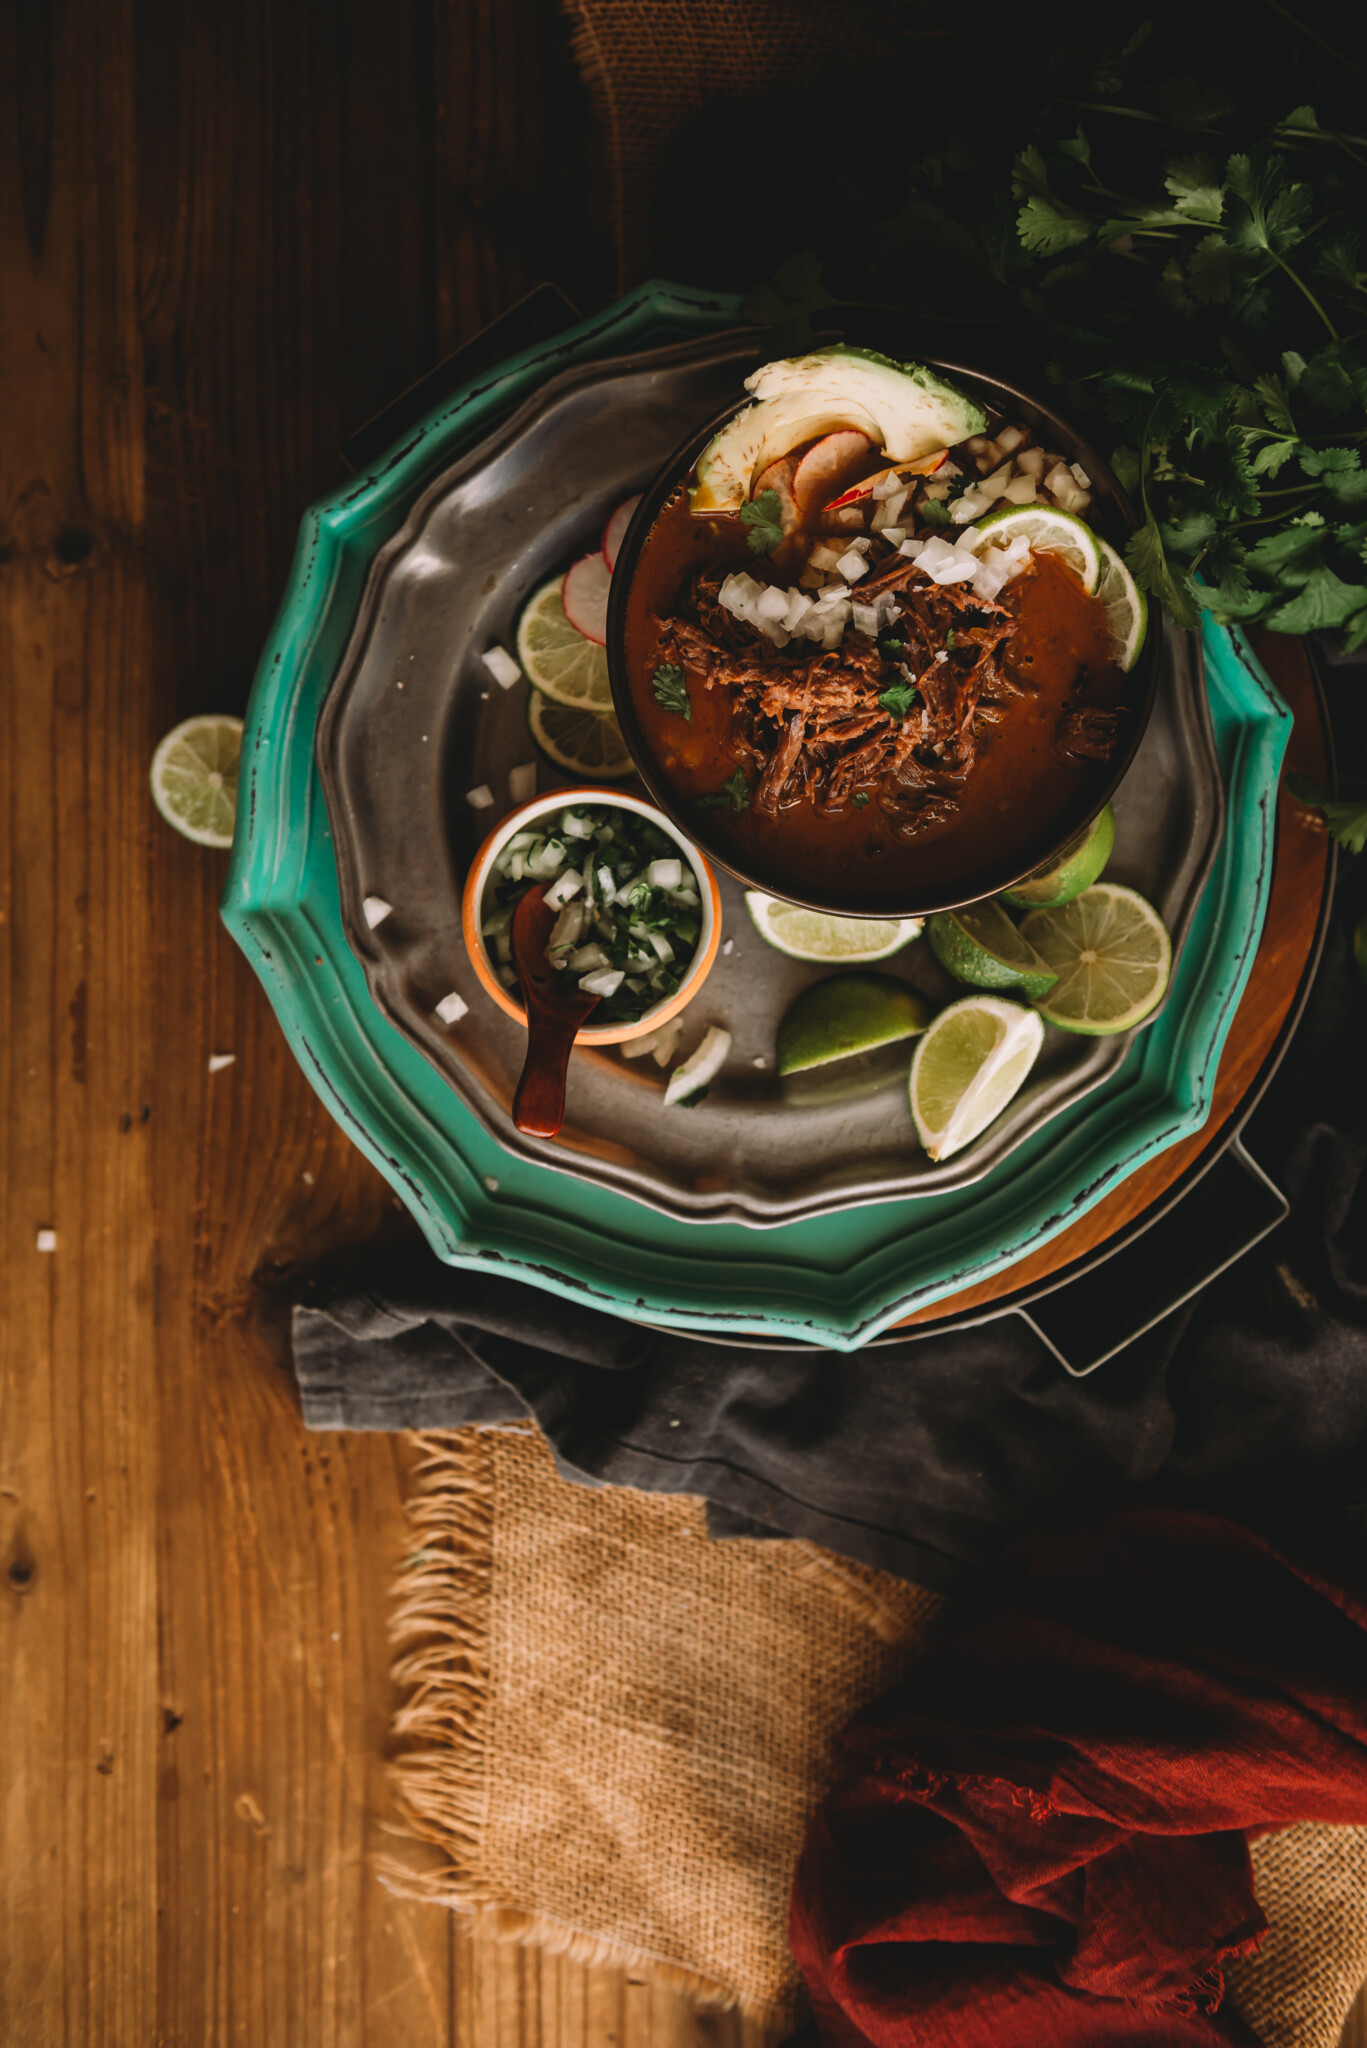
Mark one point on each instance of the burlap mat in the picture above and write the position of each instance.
(616, 1729)
(651, 66)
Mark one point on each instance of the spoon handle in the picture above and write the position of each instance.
(539, 1104)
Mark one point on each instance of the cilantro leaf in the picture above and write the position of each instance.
(1289, 555)
(1197, 192)
(1153, 572)
(1327, 461)
(860, 798)
(1300, 117)
(899, 699)
(1273, 455)
(1322, 603)
(735, 792)
(1346, 818)
(764, 517)
(1265, 212)
(935, 511)
(1189, 531)
(1276, 407)
(1043, 226)
(669, 688)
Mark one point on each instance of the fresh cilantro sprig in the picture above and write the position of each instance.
(764, 517)
(899, 699)
(669, 688)
(735, 792)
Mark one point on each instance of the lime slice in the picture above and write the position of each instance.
(1127, 609)
(194, 777)
(1074, 870)
(849, 1013)
(557, 658)
(1048, 531)
(1112, 956)
(981, 946)
(812, 935)
(968, 1066)
(588, 743)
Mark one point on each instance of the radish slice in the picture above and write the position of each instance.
(584, 596)
(615, 531)
(825, 468)
(779, 477)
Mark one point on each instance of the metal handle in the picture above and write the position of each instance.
(1229, 1210)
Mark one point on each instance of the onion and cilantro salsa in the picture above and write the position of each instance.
(628, 911)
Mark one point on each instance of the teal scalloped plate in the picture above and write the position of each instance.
(836, 1280)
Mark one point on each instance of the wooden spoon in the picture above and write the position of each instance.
(556, 1008)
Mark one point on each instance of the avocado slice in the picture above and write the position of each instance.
(904, 408)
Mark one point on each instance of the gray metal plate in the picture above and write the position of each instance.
(414, 720)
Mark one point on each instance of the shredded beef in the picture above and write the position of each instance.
(1086, 733)
(811, 722)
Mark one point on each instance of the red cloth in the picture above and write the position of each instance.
(1040, 1840)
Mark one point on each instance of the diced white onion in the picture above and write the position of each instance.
(522, 782)
(1059, 474)
(565, 885)
(586, 957)
(866, 619)
(568, 928)
(1020, 491)
(501, 667)
(700, 1067)
(604, 983)
(663, 950)
(480, 799)
(1009, 439)
(911, 548)
(852, 566)
(575, 825)
(772, 604)
(894, 535)
(966, 509)
(968, 539)
(798, 608)
(1080, 476)
(607, 888)
(665, 874)
(452, 1008)
(376, 910)
(1032, 462)
(823, 556)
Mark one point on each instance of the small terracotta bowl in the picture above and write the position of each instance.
(709, 938)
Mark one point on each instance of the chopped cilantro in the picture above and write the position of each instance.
(669, 688)
(949, 640)
(935, 511)
(899, 699)
(859, 799)
(765, 521)
(736, 792)
(1345, 818)
(890, 645)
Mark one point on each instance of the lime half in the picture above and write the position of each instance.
(1049, 532)
(555, 656)
(194, 777)
(850, 1013)
(841, 941)
(969, 1065)
(1075, 869)
(981, 946)
(587, 743)
(1112, 955)
(1127, 608)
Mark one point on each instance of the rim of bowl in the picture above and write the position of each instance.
(677, 470)
(709, 938)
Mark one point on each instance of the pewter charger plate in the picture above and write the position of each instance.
(413, 720)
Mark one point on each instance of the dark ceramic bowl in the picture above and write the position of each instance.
(1110, 515)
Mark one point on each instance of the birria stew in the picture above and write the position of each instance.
(867, 639)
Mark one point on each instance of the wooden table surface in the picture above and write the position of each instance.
(227, 234)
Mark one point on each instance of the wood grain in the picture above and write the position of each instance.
(227, 235)
(1298, 883)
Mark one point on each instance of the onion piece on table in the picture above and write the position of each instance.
(700, 1067)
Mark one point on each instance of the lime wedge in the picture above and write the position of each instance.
(1048, 531)
(1112, 957)
(1127, 609)
(850, 1013)
(194, 777)
(812, 935)
(968, 1066)
(981, 946)
(587, 743)
(557, 658)
(1074, 870)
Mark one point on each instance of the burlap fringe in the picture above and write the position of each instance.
(440, 1629)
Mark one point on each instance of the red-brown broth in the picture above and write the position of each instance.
(1016, 805)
